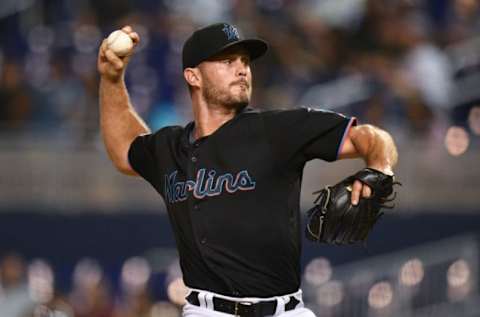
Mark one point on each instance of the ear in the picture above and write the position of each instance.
(192, 76)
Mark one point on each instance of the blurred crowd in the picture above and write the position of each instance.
(407, 64)
(30, 290)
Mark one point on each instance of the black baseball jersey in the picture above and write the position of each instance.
(233, 196)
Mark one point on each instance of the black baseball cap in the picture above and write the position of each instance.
(213, 39)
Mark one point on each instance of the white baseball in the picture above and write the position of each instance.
(120, 43)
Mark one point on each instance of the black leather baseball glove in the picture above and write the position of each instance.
(334, 220)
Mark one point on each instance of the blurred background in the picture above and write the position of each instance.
(79, 239)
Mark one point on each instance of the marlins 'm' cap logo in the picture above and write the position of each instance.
(230, 31)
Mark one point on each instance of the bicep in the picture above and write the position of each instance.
(118, 151)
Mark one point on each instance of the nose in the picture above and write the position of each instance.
(242, 71)
(241, 67)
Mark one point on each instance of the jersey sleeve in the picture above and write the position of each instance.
(143, 155)
(303, 134)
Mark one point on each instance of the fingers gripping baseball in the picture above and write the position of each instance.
(133, 35)
(115, 52)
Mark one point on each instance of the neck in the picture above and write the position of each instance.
(209, 117)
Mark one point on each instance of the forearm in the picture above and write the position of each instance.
(119, 122)
(376, 147)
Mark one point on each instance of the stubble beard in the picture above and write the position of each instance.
(213, 95)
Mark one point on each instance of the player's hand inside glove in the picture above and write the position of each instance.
(335, 220)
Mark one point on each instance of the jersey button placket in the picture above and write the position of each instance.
(196, 204)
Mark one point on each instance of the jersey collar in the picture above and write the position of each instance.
(188, 139)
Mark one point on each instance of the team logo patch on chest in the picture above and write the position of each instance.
(206, 183)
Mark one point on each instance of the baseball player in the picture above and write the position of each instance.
(231, 178)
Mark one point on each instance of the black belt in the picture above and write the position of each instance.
(244, 309)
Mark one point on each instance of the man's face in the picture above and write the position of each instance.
(227, 79)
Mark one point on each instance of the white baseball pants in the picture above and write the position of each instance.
(206, 306)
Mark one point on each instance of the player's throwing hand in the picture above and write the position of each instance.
(111, 66)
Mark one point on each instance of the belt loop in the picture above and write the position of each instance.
(299, 297)
(209, 300)
(280, 306)
(236, 309)
(202, 299)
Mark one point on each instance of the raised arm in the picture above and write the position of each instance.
(119, 122)
(376, 147)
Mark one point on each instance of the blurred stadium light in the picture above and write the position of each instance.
(40, 281)
(136, 272)
(318, 271)
(412, 272)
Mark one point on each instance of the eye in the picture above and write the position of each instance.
(227, 61)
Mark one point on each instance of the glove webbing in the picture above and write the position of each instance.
(323, 212)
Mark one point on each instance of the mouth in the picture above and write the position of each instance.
(241, 83)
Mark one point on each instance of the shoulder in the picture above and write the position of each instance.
(299, 112)
(299, 109)
(161, 136)
(268, 112)
(169, 131)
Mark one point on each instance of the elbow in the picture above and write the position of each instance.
(119, 157)
(120, 162)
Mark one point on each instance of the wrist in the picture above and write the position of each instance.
(384, 168)
(113, 81)
(110, 79)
